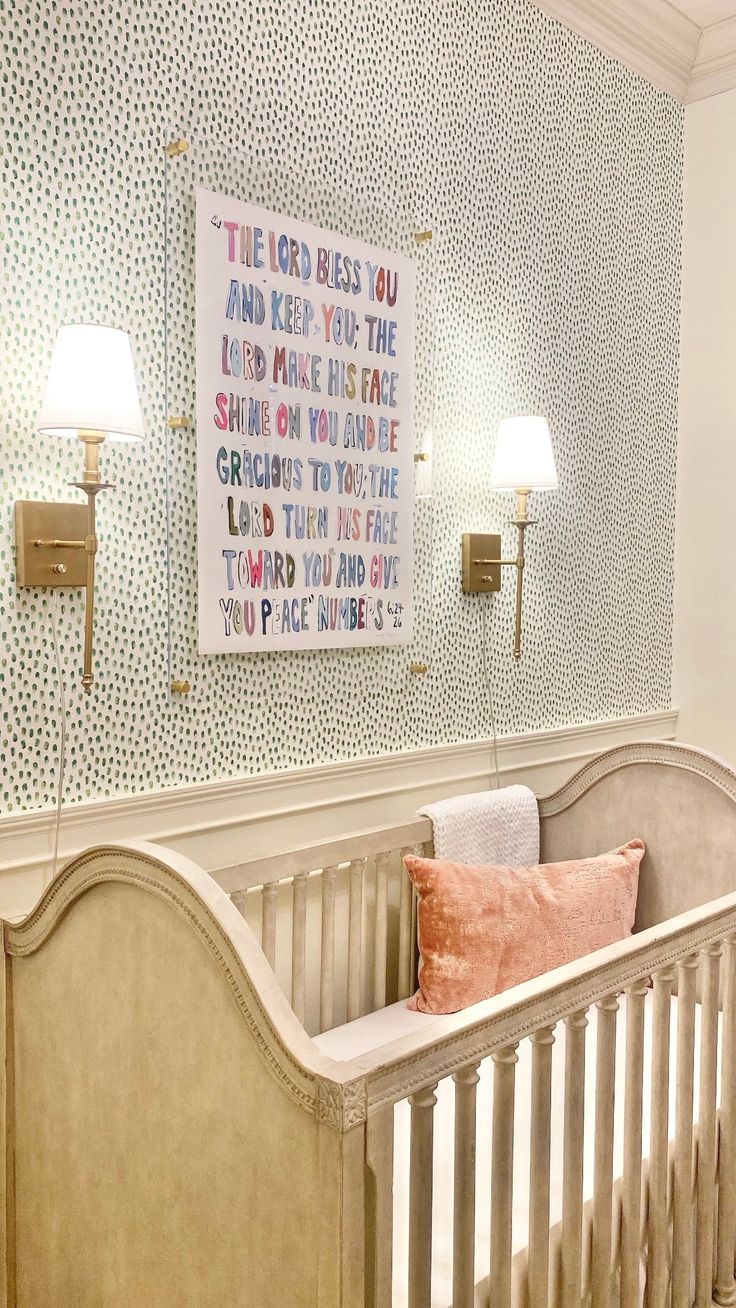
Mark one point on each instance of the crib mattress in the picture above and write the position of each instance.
(377, 1029)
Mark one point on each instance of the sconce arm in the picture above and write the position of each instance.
(60, 544)
(521, 524)
(91, 490)
(481, 573)
(91, 485)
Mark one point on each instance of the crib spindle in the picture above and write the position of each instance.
(420, 1201)
(463, 1249)
(298, 943)
(706, 1173)
(682, 1191)
(238, 898)
(605, 1080)
(414, 935)
(572, 1160)
(539, 1166)
(268, 921)
(355, 930)
(381, 932)
(657, 1219)
(380, 1163)
(725, 1289)
(406, 952)
(631, 1191)
(327, 964)
(502, 1174)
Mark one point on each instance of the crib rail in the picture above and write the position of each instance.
(348, 902)
(690, 1154)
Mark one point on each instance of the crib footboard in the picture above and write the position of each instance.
(171, 1139)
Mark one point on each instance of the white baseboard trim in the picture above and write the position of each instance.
(222, 822)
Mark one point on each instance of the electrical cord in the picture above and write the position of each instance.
(62, 731)
(486, 604)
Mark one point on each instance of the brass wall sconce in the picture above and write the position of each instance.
(523, 462)
(91, 394)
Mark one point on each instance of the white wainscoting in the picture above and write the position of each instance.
(223, 822)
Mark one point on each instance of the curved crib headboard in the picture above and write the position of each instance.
(680, 800)
(154, 1072)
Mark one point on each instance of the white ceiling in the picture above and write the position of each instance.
(705, 12)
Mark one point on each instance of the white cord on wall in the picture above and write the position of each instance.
(486, 604)
(62, 732)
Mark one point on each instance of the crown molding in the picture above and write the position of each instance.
(648, 36)
(714, 70)
(655, 40)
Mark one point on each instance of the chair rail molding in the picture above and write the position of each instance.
(222, 822)
(653, 38)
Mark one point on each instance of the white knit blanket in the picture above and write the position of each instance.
(491, 826)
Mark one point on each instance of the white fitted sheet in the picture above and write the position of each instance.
(377, 1029)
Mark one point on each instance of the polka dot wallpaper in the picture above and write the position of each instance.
(550, 177)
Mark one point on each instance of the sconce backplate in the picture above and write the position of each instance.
(47, 564)
(481, 562)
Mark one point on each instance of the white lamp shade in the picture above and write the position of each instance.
(91, 385)
(523, 458)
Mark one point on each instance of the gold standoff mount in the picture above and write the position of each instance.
(175, 148)
(180, 687)
(421, 238)
(421, 457)
(179, 420)
(418, 669)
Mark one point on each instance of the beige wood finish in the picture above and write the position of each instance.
(631, 1195)
(196, 1141)
(572, 1163)
(420, 1204)
(682, 1213)
(725, 1292)
(299, 944)
(362, 921)
(379, 1208)
(355, 928)
(681, 801)
(380, 931)
(502, 1168)
(657, 1221)
(605, 1073)
(463, 1253)
(158, 1073)
(706, 1170)
(539, 1167)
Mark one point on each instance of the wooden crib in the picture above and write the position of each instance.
(176, 1139)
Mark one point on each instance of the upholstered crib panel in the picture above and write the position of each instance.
(148, 1102)
(680, 801)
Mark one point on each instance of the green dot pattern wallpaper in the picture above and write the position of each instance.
(551, 179)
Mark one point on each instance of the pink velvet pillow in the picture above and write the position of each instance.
(485, 929)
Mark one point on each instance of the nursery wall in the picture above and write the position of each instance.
(551, 178)
(705, 624)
